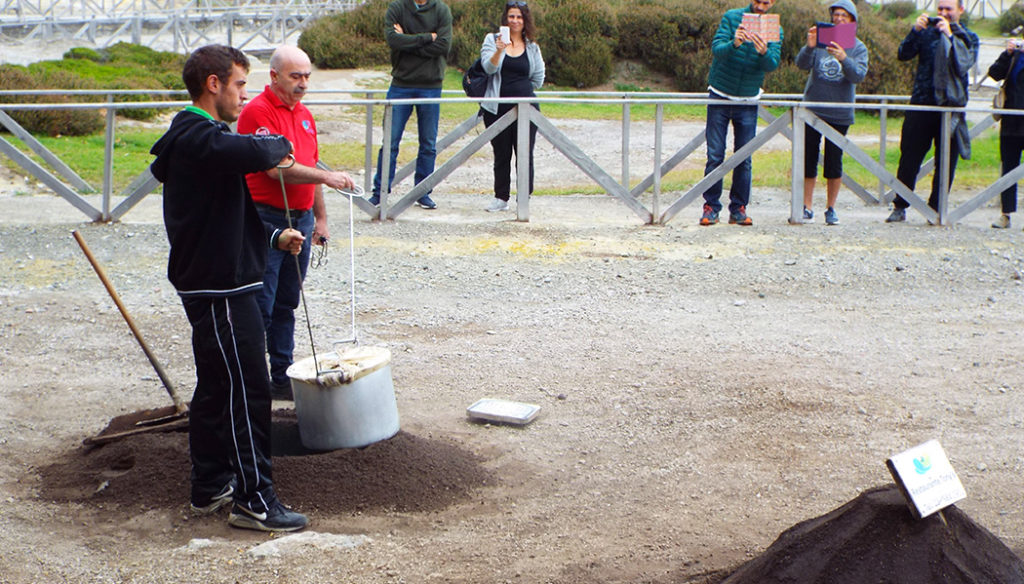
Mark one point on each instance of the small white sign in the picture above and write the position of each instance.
(926, 478)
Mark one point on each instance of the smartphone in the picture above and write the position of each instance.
(505, 35)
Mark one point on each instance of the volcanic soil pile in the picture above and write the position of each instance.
(874, 538)
(408, 472)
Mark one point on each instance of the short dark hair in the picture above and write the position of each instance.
(210, 60)
(529, 29)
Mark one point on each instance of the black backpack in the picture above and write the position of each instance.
(474, 80)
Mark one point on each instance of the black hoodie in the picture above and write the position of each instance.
(218, 242)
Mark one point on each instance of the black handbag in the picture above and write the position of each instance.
(475, 79)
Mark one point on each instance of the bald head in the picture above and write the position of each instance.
(289, 74)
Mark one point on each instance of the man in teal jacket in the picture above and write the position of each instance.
(419, 33)
(741, 58)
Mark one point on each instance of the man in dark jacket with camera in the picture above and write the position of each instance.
(945, 52)
(218, 251)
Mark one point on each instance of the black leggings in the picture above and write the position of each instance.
(833, 153)
(504, 144)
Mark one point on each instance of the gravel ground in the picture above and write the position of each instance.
(702, 389)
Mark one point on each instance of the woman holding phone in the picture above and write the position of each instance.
(516, 69)
(1007, 69)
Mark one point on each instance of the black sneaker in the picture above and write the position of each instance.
(215, 502)
(281, 391)
(277, 518)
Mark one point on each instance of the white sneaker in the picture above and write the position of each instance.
(1002, 223)
(497, 205)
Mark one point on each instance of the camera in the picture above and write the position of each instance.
(933, 20)
(1018, 44)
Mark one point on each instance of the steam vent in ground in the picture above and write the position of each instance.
(874, 539)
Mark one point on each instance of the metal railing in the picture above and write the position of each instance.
(165, 24)
(643, 197)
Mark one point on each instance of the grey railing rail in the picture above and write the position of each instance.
(65, 182)
(165, 24)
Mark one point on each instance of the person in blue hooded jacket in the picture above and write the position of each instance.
(835, 73)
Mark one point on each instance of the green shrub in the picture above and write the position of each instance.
(672, 37)
(577, 38)
(475, 18)
(83, 53)
(52, 122)
(348, 40)
(1011, 18)
(898, 10)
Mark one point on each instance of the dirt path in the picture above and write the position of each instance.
(702, 389)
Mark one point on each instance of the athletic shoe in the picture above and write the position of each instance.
(897, 216)
(830, 216)
(497, 205)
(277, 518)
(808, 215)
(426, 202)
(215, 502)
(282, 391)
(739, 217)
(1003, 222)
(374, 200)
(710, 216)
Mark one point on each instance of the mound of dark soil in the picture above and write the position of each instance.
(875, 539)
(404, 473)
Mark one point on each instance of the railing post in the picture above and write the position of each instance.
(385, 163)
(883, 118)
(523, 159)
(625, 142)
(368, 158)
(108, 158)
(659, 119)
(944, 165)
(796, 216)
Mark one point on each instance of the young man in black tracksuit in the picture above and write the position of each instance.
(218, 251)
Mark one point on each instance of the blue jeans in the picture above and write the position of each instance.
(427, 116)
(744, 126)
(281, 293)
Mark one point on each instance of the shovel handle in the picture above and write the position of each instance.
(178, 404)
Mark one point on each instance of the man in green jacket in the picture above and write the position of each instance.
(419, 33)
(741, 58)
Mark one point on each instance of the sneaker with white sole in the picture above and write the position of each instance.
(497, 205)
(216, 502)
(1002, 223)
(808, 215)
(830, 216)
(897, 216)
(425, 202)
(277, 518)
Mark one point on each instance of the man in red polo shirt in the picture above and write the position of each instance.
(278, 110)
